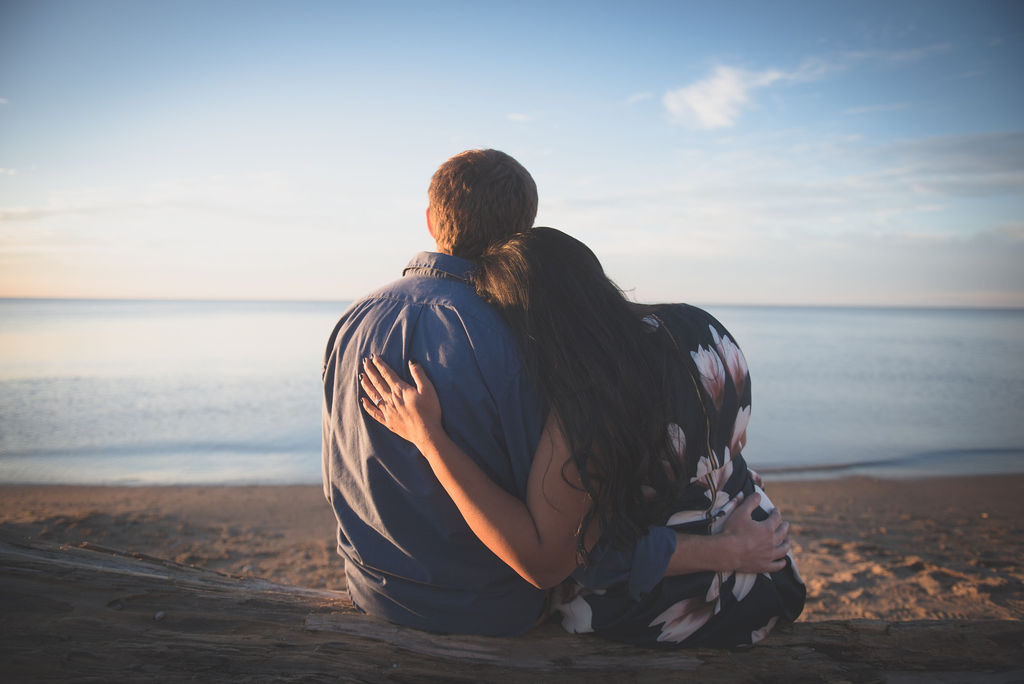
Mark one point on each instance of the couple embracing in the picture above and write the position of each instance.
(507, 438)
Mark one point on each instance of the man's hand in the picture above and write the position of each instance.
(756, 546)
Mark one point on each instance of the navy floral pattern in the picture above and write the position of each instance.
(712, 410)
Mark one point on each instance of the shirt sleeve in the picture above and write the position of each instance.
(641, 567)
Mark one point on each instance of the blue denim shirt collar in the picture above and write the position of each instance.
(440, 266)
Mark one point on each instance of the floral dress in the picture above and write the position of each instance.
(705, 608)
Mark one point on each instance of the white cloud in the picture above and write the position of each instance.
(3, 100)
(714, 102)
(717, 100)
(519, 117)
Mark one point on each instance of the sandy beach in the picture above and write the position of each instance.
(939, 548)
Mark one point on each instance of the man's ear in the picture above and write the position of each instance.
(430, 228)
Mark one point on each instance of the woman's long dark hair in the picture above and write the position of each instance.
(601, 371)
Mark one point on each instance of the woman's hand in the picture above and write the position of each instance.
(412, 413)
(536, 538)
(760, 546)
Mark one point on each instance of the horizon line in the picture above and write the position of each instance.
(291, 300)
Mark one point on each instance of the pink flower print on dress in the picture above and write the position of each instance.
(759, 634)
(678, 439)
(683, 618)
(712, 373)
(569, 599)
(739, 431)
(688, 516)
(715, 589)
(722, 475)
(577, 616)
(711, 476)
(705, 466)
(743, 584)
(733, 359)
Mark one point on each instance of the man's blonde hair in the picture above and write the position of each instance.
(479, 198)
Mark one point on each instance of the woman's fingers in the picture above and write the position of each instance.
(419, 377)
(377, 381)
(423, 384)
(372, 409)
(369, 389)
(394, 382)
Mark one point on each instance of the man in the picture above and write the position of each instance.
(409, 556)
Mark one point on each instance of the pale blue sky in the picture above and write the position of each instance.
(808, 153)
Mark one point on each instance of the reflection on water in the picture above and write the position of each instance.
(161, 392)
(137, 391)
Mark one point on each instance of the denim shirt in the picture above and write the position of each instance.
(410, 557)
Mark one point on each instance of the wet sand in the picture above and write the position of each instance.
(935, 549)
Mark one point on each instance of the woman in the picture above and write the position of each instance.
(648, 414)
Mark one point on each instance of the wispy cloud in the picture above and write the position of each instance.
(639, 97)
(976, 165)
(519, 117)
(717, 100)
(3, 100)
(728, 194)
(714, 102)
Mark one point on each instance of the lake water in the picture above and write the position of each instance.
(162, 392)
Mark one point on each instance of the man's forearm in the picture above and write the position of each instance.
(743, 545)
(697, 553)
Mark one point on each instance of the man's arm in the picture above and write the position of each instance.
(744, 544)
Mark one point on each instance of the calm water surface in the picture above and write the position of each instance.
(135, 392)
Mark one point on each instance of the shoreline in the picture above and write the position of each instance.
(941, 548)
(191, 469)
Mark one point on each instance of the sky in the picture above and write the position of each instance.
(815, 153)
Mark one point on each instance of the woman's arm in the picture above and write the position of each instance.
(536, 539)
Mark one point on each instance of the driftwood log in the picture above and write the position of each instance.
(95, 614)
